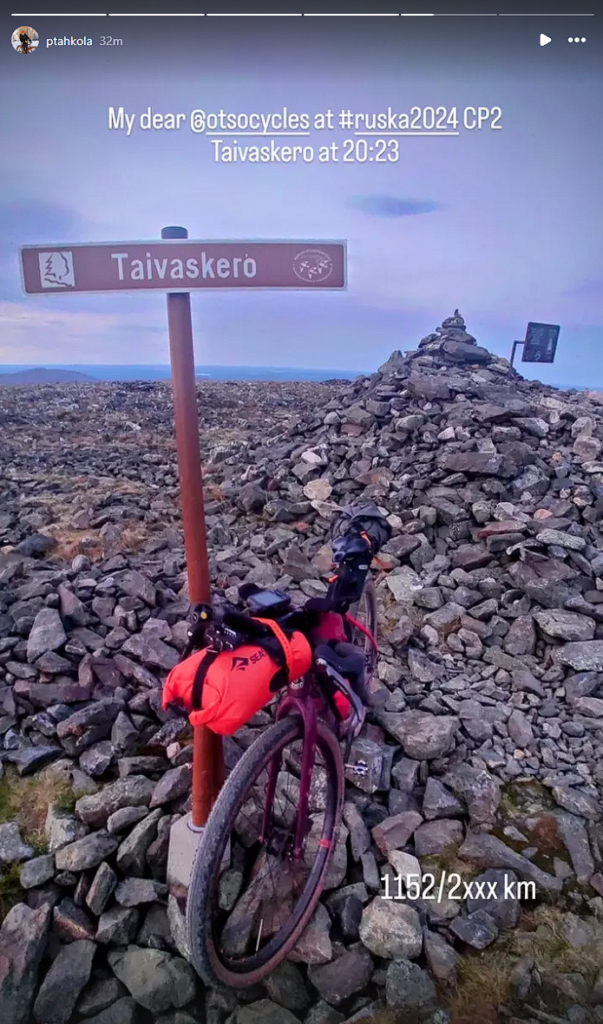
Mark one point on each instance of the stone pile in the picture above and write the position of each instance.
(485, 756)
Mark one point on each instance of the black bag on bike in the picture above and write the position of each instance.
(358, 535)
(363, 520)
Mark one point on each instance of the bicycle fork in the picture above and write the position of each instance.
(305, 709)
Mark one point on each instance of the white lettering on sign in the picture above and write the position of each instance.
(152, 268)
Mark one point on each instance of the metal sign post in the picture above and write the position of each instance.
(514, 350)
(178, 265)
(208, 757)
(540, 343)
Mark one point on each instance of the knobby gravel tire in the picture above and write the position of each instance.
(369, 598)
(203, 886)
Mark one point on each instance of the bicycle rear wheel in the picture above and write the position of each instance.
(242, 921)
(365, 612)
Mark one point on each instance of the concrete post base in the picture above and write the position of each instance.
(184, 841)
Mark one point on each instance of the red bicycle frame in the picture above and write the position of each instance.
(300, 700)
(354, 622)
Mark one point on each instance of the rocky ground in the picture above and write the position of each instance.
(485, 761)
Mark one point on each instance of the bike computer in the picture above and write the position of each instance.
(268, 602)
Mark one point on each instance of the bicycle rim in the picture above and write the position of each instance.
(222, 949)
(365, 612)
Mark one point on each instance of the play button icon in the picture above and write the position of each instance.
(544, 40)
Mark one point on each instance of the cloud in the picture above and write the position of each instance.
(31, 222)
(393, 206)
(30, 330)
(588, 287)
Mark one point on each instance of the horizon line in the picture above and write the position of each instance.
(234, 366)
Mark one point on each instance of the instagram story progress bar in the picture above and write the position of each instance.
(302, 14)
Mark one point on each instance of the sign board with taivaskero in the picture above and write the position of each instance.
(183, 265)
(541, 343)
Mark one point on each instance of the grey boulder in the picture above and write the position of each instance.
(157, 980)
(23, 937)
(391, 929)
(124, 1011)
(62, 986)
(12, 848)
(409, 991)
(47, 634)
(86, 853)
(133, 791)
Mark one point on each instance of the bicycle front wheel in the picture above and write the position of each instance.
(244, 917)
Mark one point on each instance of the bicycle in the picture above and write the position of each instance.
(288, 786)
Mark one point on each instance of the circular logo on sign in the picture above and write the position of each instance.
(25, 39)
(313, 266)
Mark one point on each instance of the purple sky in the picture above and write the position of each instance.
(506, 225)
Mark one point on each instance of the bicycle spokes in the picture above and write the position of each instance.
(274, 853)
(260, 910)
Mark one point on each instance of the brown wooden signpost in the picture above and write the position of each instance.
(179, 265)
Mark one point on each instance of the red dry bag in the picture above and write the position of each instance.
(223, 690)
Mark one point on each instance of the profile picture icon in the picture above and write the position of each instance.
(25, 39)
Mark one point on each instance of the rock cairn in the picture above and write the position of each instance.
(486, 756)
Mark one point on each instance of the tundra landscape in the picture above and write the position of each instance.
(484, 762)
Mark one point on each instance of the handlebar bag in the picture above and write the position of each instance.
(223, 690)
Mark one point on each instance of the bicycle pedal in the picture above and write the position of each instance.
(358, 768)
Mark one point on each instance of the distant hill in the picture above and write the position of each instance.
(41, 376)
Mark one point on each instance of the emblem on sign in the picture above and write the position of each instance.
(312, 265)
(56, 269)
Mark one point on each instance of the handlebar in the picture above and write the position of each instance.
(357, 536)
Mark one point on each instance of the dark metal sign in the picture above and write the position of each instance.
(541, 343)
